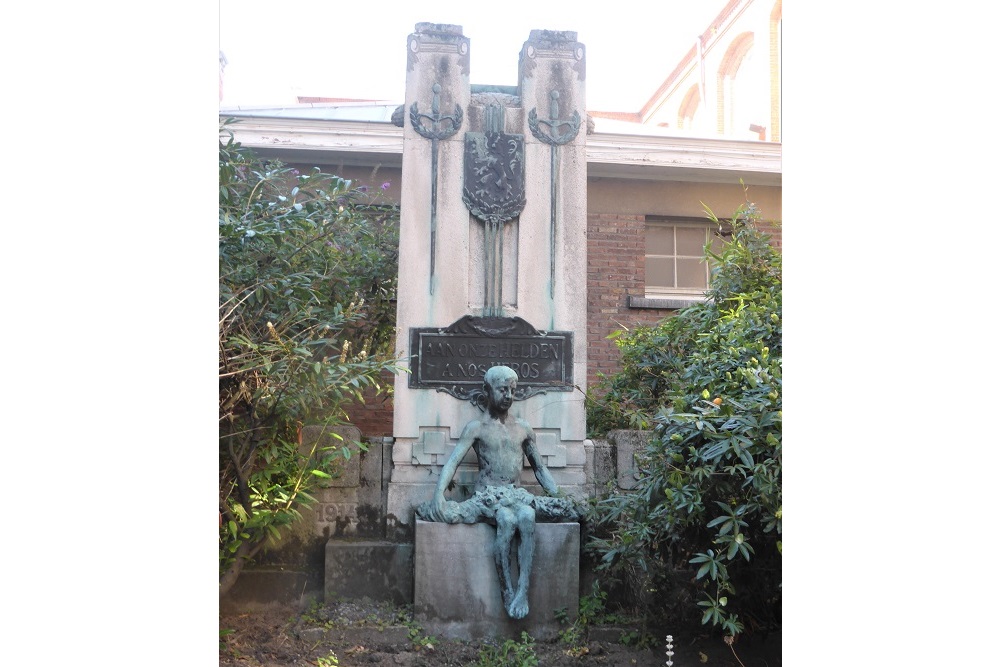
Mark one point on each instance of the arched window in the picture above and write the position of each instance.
(742, 95)
(688, 112)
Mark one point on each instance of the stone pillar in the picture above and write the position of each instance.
(507, 275)
(552, 293)
(437, 83)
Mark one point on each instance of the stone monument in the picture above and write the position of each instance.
(492, 273)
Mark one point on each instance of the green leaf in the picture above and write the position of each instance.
(715, 450)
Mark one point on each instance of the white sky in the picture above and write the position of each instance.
(325, 48)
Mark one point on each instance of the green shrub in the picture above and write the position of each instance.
(307, 272)
(509, 654)
(703, 526)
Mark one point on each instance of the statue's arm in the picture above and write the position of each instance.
(542, 473)
(469, 435)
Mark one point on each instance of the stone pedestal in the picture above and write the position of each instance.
(457, 589)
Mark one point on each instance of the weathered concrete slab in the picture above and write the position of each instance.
(262, 587)
(346, 472)
(627, 444)
(457, 590)
(376, 570)
(356, 511)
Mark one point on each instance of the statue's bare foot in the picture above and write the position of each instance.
(508, 595)
(518, 608)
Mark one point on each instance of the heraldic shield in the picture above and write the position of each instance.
(494, 175)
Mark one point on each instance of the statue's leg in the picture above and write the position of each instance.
(525, 553)
(501, 551)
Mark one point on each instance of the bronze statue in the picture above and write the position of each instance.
(499, 442)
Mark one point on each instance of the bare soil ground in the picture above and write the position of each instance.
(349, 633)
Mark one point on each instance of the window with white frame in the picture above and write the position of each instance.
(675, 256)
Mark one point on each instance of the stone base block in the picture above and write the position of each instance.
(401, 499)
(457, 589)
(376, 570)
(259, 588)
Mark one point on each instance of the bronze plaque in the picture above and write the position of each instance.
(455, 359)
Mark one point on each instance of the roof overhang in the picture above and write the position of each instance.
(662, 158)
(609, 154)
(320, 142)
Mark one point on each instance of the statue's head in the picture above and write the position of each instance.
(499, 384)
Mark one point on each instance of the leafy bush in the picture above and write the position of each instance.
(509, 654)
(704, 523)
(593, 611)
(307, 274)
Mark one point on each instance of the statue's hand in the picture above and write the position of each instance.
(437, 507)
(431, 510)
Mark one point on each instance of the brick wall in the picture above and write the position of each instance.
(775, 231)
(616, 268)
(374, 416)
